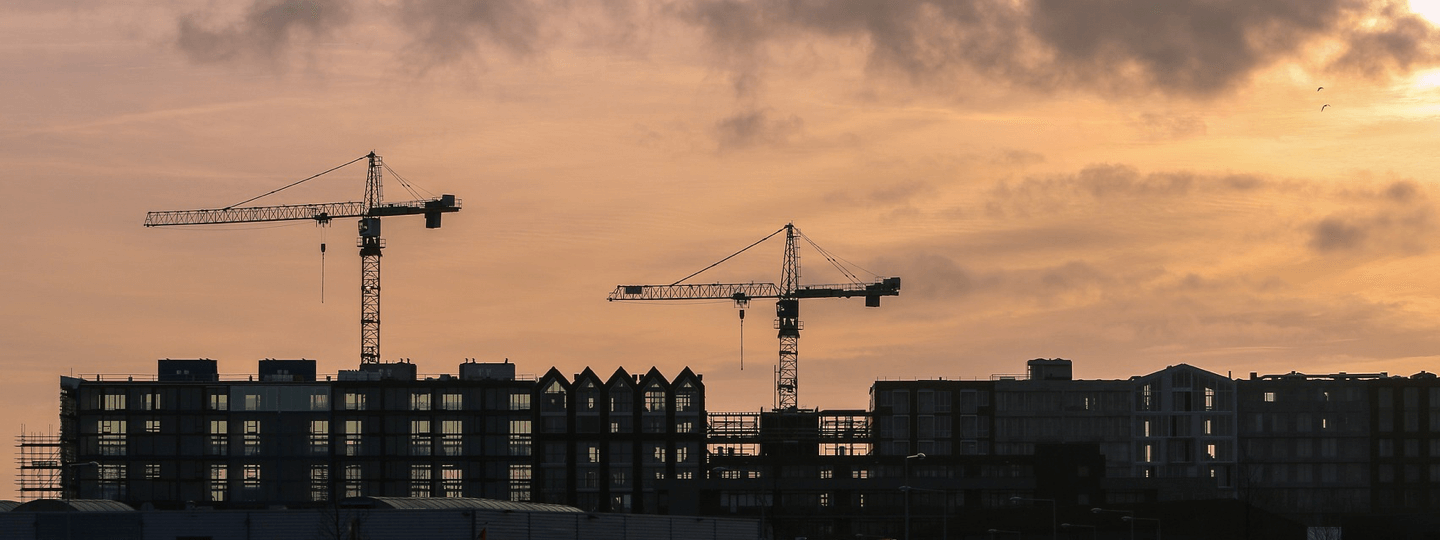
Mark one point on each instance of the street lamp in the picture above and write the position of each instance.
(76, 476)
(906, 489)
(1054, 522)
(1128, 514)
(944, 508)
(1076, 526)
(1133, 519)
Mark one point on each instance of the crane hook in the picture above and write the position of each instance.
(742, 339)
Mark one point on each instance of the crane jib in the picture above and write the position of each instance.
(431, 208)
(732, 291)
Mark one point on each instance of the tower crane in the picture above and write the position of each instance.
(787, 305)
(369, 210)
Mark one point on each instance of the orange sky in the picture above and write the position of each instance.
(1128, 184)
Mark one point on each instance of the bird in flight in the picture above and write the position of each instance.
(1322, 107)
(1319, 89)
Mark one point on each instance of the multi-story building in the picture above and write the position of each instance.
(1314, 449)
(187, 437)
(1305, 444)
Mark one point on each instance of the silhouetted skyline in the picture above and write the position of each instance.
(1062, 179)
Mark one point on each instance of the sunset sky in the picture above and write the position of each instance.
(1129, 184)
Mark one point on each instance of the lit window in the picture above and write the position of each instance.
(420, 402)
(319, 436)
(354, 401)
(520, 402)
(114, 402)
(219, 480)
(452, 481)
(1269, 397)
(452, 402)
(319, 482)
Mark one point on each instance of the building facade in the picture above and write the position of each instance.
(187, 438)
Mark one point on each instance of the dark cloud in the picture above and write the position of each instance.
(1018, 157)
(1196, 48)
(1335, 234)
(756, 127)
(1403, 191)
(1406, 42)
(447, 31)
(265, 33)
(1167, 127)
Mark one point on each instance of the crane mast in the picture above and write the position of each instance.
(787, 305)
(369, 211)
(787, 320)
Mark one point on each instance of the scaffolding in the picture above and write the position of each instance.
(40, 464)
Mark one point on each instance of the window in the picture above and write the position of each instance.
(152, 471)
(520, 402)
(251, 479)
(452, 481)
(353, 431)
(114, 402)
(520, 438)
(150, 402)
(621, 424)
(420, 401)
(219, 401)
(451, 443)
(654, 399)
(553, 398)
(152, 426)
(621, 399)
(454, 402)
(685, 398)
(319, 483)
(419, 480)
(354, 401)
(219, 438)
(354, 486)
(420, 437)
(252, 437)
(112, 480)
(112, 437)
(319, 436)
(319, 402)
(520, 483)
(219, 482)
(1269, 397)
(925, 401)
(587, 397)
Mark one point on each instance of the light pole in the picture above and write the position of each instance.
(944, 508)
(1128, 514)
(1054, 521)
(1075, 526)
(76, 482)
(1133, 519)
(906, 490)
(96, 464)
